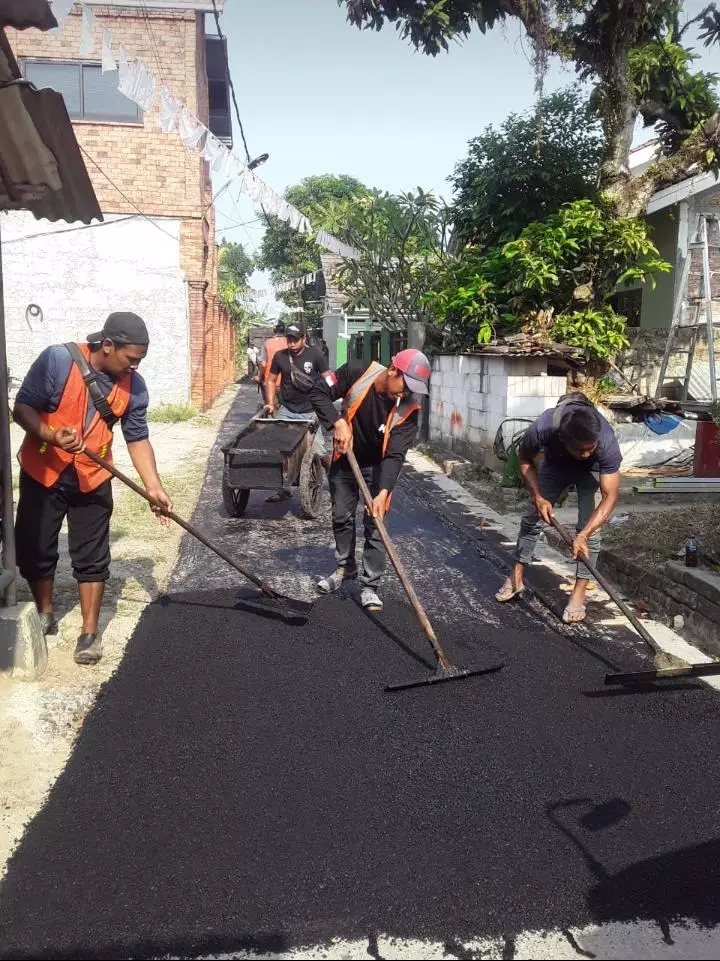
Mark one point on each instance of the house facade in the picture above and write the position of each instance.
(672, 215)
(155, 253)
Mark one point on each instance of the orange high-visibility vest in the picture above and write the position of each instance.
(272, 346)
(45, 463)
(357, 394)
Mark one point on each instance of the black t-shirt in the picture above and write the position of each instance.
(310, 364)
(368, 423)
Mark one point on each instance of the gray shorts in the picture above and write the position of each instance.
(319, 445)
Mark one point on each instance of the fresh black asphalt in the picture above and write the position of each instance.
(246, 783)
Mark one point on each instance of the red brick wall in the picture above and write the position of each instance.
(154, 170)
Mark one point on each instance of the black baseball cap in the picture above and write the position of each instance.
(295, 329)
(122, 327)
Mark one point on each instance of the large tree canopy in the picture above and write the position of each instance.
(525, 170)
(634, 51)
(284, 251)
(234, 264)
(401, 238)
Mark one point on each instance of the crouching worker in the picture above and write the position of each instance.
(70, 400)
(379, 422)
(580, 450)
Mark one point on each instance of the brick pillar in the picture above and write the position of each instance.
(207, 345)
(222, 360)
(196, 311)
(216, 349)
(228, 328)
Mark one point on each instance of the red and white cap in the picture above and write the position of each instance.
(415, 368)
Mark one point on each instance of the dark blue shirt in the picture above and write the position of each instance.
(542, 436)
(45, 382)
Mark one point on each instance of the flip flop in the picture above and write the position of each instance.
(507, 592)
(573, 615)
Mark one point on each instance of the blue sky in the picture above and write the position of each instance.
(321, 96)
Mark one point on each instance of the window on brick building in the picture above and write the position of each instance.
(89, 93)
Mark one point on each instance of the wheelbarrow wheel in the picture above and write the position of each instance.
(310, 484)
(235, 500)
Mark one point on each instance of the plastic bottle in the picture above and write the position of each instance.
(691, 552)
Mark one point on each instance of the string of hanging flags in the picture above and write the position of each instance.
(140, 84)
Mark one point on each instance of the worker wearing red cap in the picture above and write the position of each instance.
(379, 421)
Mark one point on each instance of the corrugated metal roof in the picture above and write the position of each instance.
(41, 167)
(23, 14)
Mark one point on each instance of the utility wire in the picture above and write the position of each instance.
(68, 230)
(230, 82)
(125, 196)
(186, 156)
(234, 98)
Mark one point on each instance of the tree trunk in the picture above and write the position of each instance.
(620, 113)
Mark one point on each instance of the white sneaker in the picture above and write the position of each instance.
(370, 601)
(328, 585)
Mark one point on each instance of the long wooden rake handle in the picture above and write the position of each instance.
(398, 565)
(198, 535)
(648, 638)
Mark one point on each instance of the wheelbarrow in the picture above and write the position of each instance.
(272, 453)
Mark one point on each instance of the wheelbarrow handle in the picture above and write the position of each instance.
(602, 581)
(198, 535)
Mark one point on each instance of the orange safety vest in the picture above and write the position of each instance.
(359, 391)
(45, 463)
(272, 346)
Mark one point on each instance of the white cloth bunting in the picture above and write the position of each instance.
(61, 10)
(213, 152)
(140, 84)
(169, 110)
(190, 129)
(329, 242)
(87, 39)
(137, 83)
(108, 59)
(233, 168)
(287, 285)
(123, 69)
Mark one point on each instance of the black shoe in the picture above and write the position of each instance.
(88, 649)
(48, 624)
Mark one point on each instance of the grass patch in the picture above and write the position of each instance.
(661, 536)
(171, 413)
(132, 517)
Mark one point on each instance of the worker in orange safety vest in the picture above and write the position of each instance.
(379, 420)
(70, 400)
(268, 350)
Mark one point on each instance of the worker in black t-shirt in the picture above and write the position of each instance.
(379, 420)
(300, 367)
(581, 450)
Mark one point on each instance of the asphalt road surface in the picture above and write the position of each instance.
(246, 785)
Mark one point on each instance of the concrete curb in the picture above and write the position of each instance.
(23, 648)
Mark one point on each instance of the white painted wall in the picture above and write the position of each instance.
(79, 276)
(470, 396)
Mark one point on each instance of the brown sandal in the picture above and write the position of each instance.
(508, 591)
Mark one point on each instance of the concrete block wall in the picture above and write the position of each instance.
(471, 395)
